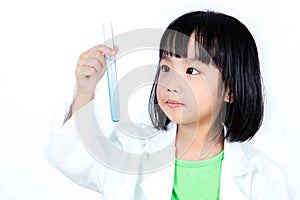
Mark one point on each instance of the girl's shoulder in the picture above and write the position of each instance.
(258, 158)
(267, 177)
(246, 153)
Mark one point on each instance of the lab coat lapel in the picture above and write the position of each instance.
(236, 173)
(158, 184)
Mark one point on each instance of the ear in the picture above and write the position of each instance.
(228, 98)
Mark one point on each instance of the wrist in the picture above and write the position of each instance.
(84, 95)
(81, 99)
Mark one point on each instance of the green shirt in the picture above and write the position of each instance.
(197, 180)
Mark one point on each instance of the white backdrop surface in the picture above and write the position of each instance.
(39, 46)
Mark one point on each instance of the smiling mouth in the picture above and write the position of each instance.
(174, 104)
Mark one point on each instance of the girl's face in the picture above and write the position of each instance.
(188, 90)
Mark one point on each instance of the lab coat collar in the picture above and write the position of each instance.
(236, 168)
(236, 159)
(162, 139)
(234, 153)
(236, 173)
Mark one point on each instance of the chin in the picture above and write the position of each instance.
(181, 120)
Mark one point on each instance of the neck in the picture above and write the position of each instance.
(198, 142)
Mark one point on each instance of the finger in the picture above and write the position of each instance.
(86, 71)
(92, 62)
(99, 50)
(102, 61)
(100, 57)
(83, 64)
(105, 50)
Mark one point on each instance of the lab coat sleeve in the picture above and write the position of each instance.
(67, 153)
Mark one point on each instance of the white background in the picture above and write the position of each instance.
(41, 41)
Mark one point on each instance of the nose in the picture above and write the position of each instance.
(173, 89)
(174, 83)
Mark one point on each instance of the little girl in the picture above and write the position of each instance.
(206, 101)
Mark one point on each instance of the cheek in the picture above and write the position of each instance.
(159, 94)
(199, 93)
(200, 97)
(209, 95)
(203, 96)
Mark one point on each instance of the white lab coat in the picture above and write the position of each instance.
(245, 173)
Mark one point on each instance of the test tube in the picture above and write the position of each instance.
(111, 74)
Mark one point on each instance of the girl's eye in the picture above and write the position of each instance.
(165, 68)
(192, 71)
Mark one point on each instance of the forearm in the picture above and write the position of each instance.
(81, 99)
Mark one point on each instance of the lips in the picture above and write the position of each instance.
(174, 104)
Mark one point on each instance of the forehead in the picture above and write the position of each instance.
(180, 45)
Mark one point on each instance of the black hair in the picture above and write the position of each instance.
(227, 43)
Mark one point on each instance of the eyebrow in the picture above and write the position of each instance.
(198, 64)
(165, 57)
(194, 60)
(187, 60)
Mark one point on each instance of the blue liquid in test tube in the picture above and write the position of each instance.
(111, 74)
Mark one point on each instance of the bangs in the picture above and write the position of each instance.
(177, 44)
